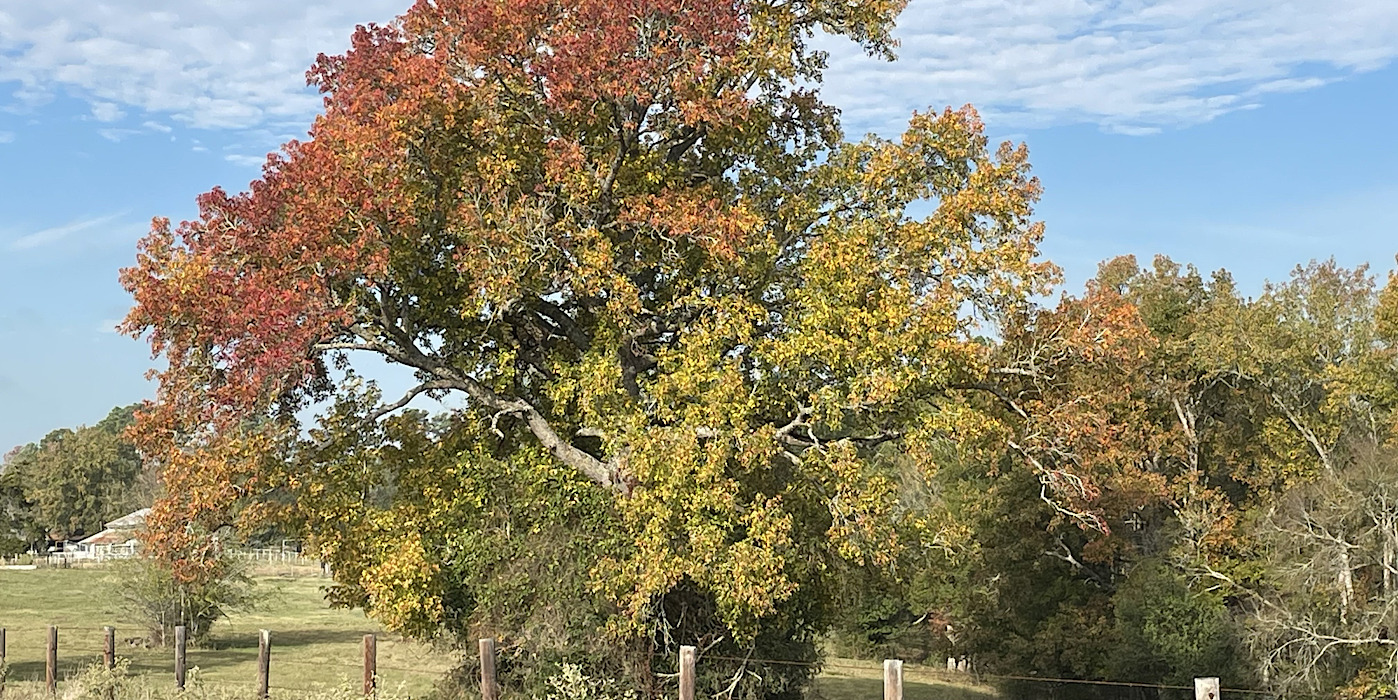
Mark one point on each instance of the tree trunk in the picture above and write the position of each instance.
(1346, 581)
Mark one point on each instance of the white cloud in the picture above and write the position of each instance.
(106, 112)
(7, 136)
(58, 233)
(1129, 66)
(157, 126)
(202, 62)
(245, 161)
(116, 135)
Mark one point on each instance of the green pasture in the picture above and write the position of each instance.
(315, 648)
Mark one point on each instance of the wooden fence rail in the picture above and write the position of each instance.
(1204, 688)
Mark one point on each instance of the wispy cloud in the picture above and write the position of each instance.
(7, 136)
(116, 135)
(204, 63)
(245, 161)
(1128, 66)
(49, 236)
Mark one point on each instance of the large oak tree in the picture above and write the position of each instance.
(635, 243)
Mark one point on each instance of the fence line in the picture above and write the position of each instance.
(1205, 688)
(938, 674)
(59, 667)
(101, 554)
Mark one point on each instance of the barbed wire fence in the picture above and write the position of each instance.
(81, 648)
(84, 648)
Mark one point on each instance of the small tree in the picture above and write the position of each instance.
(151, 592)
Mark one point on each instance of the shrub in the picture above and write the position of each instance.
(570, 683)
(151, 593)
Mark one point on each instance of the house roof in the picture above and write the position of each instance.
(130, 521)
(109, 536)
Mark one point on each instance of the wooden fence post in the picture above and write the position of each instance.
(264, 662)
(371, 664)
(2, 661)
(490, 689)
(893, 679)
(181, 638)
(109, 658)
(51, 661)
(109, 647)
(687, 654)
(1206, 689)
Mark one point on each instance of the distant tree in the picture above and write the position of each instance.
(19, 531)
(74, 480)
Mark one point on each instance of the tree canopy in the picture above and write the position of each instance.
(71, 482)
(725, 375)
(633, 239)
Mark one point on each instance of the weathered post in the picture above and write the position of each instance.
(109, 657)
(181, 638)
(490, 690)
(109, 647)
(2, 661)
(51, 661)
(893, 679)
(264, 662)
(1206, 689)
(687, 654)
(371, 664)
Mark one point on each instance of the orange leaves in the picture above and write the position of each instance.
(580, 53)
(1087, 429)
(721, 230)
(203, 491)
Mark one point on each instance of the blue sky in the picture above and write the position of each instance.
(1247, 134)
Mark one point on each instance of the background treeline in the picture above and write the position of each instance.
(67, 485)
(1213, 491)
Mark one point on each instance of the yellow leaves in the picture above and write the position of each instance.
(862, 501)
(692, 520)
(401, 586)
(1386, 311)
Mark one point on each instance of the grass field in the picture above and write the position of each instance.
(846, 679)
(314, 647)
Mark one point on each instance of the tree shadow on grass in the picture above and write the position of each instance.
(287, 638)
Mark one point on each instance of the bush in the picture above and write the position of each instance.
(570, 683)
(12, 546)
(149, 592)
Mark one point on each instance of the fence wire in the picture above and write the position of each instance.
(89, 654)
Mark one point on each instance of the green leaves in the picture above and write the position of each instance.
(75, 480)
